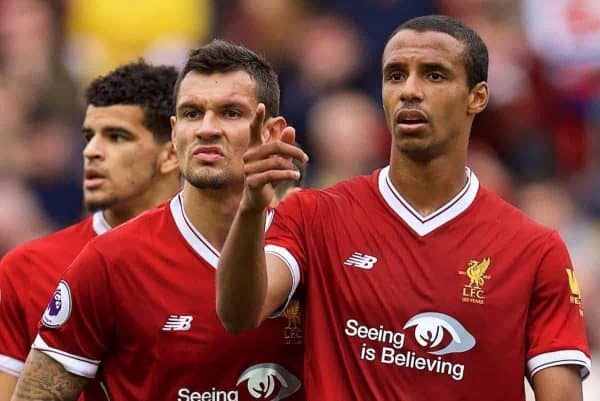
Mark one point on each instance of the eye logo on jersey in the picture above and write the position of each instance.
(59, 307)
(261, 381)
(473, 292)
(430, 329)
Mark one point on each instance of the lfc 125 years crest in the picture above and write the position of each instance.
(473, 291)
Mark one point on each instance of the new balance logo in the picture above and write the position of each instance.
(178, 323)
(361, 260)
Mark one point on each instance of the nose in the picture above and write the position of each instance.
(208, 126)
(94, 149)
(411, 90)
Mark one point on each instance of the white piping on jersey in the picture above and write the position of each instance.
(105, 390)
(10, 365)
(196, 240)
(99, 223)
(424, 225)
(556, 358)
(78, 365)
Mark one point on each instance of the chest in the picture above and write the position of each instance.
(472, 273)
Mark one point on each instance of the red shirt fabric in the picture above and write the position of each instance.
(458, 305)
(136, 310)
(28, 277)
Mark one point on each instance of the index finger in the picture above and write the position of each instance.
(256, 126)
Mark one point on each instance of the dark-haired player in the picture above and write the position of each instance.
(137, 306)
(129, 166)
(420, 284)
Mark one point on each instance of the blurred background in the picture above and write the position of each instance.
(537, 144)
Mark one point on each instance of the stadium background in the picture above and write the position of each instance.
(537, 144)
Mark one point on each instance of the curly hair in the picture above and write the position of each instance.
(221, 56)
(141, 84)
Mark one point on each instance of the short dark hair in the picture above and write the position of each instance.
(221, 56)
(476, 52)
(139, 84)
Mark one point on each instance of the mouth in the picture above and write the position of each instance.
(93, 179)
(411, 120)
(208, 154)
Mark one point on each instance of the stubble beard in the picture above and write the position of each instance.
(93, 206)
(208, 179)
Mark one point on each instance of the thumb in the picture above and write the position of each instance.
(288, 135)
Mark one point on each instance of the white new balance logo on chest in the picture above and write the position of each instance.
(178, 323)
(361, 260)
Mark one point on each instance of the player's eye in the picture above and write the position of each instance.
(435, 77)
(88, 136)
(231, 114)
(191, 114)
(118, 138)
(395, 76)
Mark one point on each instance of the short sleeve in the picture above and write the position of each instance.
(77, 326)
(555, 326)
(14, 341)
(286, 234)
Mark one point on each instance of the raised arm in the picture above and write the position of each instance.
(558, 383)
(44, 379)
(7, 385)
(251, 286)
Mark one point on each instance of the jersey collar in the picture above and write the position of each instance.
(196, 240)
(99, 223)
(424, 225)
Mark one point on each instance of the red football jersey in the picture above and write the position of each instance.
(136, 309)
(458, 305)
(28, 277)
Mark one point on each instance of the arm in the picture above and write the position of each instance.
(7, 385)
(558, 383)
(251, 286)
(44, 379)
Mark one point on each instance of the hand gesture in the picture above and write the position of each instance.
(266, 163)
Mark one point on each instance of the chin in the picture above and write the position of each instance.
(96, 203)
(418, 150)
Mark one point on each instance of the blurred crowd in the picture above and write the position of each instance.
(537, 144)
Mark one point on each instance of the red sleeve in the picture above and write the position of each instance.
(14, 342)
(77, 326)
(286, 235)
(555, 326)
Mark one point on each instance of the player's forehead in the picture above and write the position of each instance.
(409, 45)
(217, 89)
(127, 116)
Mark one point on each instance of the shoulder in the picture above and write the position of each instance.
(346, 190)
(509, 218)
(127, 236)
(49, 250)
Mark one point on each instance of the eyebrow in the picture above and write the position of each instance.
(109, 128)
(428, 65)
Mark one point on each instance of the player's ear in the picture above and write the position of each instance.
(273, 128)
(167, 158)
(479, 96)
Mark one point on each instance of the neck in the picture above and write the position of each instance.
(211, 212)
(428, 185)
(159, 192)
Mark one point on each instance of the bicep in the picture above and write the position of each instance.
(558, 383)
(280, 284)
(44, 379)
(7, 385)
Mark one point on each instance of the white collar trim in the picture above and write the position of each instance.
(99, 223)
(424, 225)
(196, 240)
